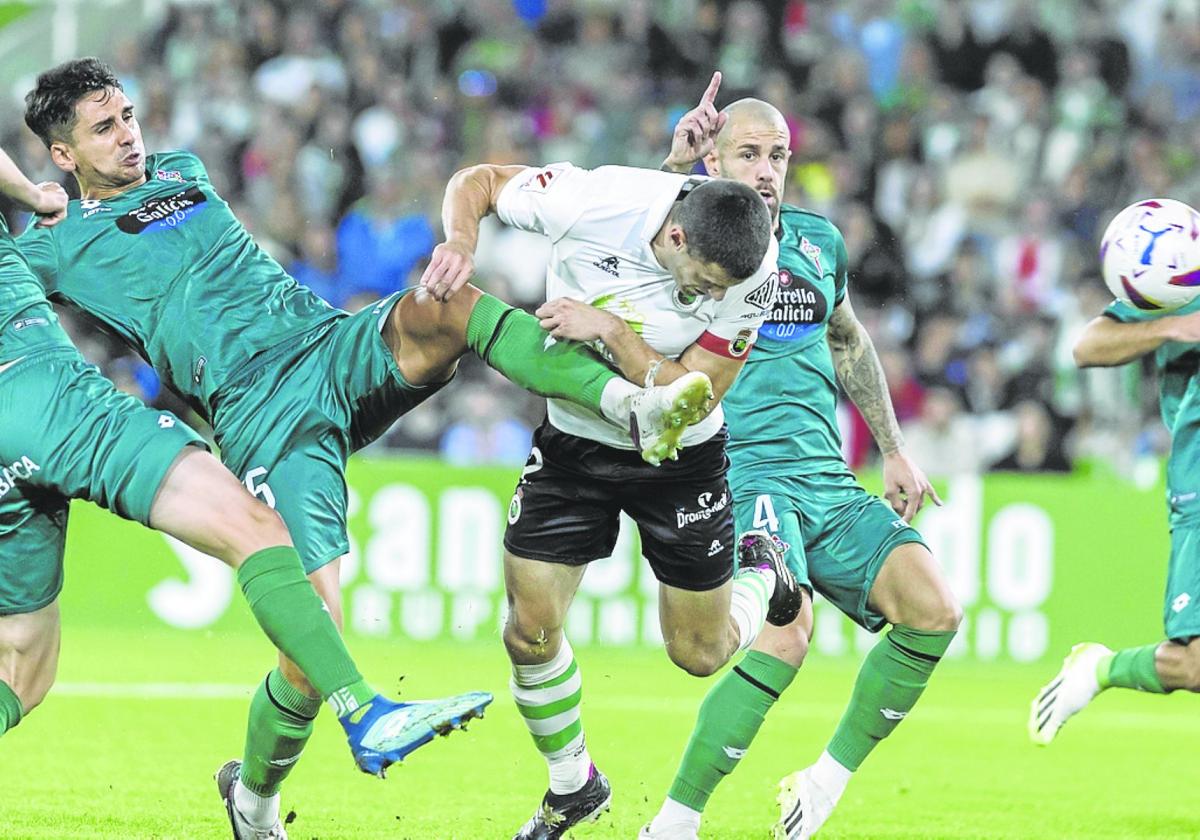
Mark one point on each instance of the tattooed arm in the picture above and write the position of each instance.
(861, 374)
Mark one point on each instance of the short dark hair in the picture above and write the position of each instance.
(50, 106)
(726, 223)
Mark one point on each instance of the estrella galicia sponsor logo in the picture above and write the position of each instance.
(800, 308)
(163, 213)
(609, 265)
(20, 470)
(26, 323)
(92, 206)
(764, 295)
(168, 175)
(706, 508)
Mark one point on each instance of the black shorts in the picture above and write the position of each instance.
(567, 504)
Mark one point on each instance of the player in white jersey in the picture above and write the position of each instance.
(665, 275)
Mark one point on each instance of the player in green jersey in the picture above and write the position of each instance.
(789, 477)
(67, 432)
(1121, 335)
(290, 385)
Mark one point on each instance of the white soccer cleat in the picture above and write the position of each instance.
(1072, 688)
(226, 778)
(803, 807)
(676, 831)
(659, 416)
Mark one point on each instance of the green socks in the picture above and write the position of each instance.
(1131, 668)
(729, 718)
(889, 683)
(280, 722)
(11, 710)
(511, 341)
(294, 619)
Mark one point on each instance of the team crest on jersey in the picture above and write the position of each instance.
(92, 206)
(168, 175)
(813, 252)
(163, 213)
(740, 343)
(764, 295)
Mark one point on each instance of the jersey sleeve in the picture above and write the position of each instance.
(545, 200)
(841, 270)
(743, 310)
(37, 247)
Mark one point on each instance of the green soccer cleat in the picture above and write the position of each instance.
(1072, 688)
(659, 416)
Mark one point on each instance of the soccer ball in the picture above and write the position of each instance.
(1150, 254)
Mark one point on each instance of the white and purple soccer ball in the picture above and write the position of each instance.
(1150, 254)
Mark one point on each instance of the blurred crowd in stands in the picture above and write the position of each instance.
(971, 151)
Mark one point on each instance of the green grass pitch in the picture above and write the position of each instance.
(95, 762)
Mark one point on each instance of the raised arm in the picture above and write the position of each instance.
(1107, 342)
(696, 132)
(861, 374)
(470, 195)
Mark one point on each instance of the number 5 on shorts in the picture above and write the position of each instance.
(261, 489)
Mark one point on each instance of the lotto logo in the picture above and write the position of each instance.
(166, 421)
(1180, 603)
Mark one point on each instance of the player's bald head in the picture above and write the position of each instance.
(751, 116)
(753, 147)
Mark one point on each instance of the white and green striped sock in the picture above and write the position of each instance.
(750, 601)
(548, 697)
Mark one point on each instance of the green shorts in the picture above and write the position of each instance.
(287, 427)
(68, 433)
(837, 535)
(1181, 610)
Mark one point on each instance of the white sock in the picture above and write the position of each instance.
(570, 764)
(262, 812)
(674, 813)
(749, 604)
(831, 776)
(614, 400)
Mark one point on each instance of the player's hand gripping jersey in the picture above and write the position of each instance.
(601, 223)
(168, 267)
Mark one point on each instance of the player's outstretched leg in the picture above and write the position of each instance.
(201, 503)
(428, 337)
(911, 593)
(1091, 668)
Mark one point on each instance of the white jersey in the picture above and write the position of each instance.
(600, 223)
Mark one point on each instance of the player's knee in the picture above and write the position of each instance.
(529, 636)
(943, 613)
(29, 668)
(1191, 669)
(697, 659)
(789, 644)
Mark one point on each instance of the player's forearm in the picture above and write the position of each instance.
(634, 357)
(861, 374)
(467, 200)
(14, 184)
(679, 166)
(1108, 343)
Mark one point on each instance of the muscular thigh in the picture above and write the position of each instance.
(853, 535)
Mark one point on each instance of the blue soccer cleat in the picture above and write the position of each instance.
(382, 732)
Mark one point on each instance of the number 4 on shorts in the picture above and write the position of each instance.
(764, 514)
